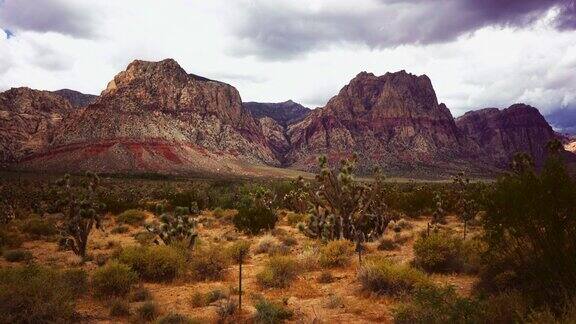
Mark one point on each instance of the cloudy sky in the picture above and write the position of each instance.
(478, 53)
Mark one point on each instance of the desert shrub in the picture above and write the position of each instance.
(336, 253)
(255, 219)
(265, 244)
(132, 217)
(177, 228)
(147, 311)
(9, 238)
(333, 301)
(174, 318)
(120, 229)
(237, 249)
(387, 244)
(308, 258)
(140, 294)
(218, 212)
(154, 263)
(226, 308)
(438, 305)
(325, 277)
(215, 295)
(269, 312)
(295, 218)
(145, 238)
(208, 263)
(529, 232)
(34, 294)
(506, 307)
(279, 272)
(38, 227)
(197, 299)
(381, 276)
(119, 307)
(113, 279)
(77, 280)
(438, 252)
(17, 255)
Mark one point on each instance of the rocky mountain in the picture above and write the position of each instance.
(503, 133)
(154, 117)
(284, 113)
(394, 121)
(77, 99)
(27, 118)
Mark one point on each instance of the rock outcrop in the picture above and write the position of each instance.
(394, 121)
(502, 133)
(284, 113)
(27, 118)
(154, 117)
(77, 99)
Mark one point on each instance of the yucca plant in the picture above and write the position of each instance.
(177, 227)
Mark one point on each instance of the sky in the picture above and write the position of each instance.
(478, 53)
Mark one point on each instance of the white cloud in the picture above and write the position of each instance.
(493, 66)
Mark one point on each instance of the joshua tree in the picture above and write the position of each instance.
(79, 203)
(439, 212)
(342, 206)
(178, 227)
(465, 205)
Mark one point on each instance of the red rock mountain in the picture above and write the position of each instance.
(393, 120)
(503, 133)
(26, 119)
(154, 117)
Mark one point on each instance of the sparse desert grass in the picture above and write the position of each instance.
(119, 308)
(294, 218)
(175, 318)
(159, 263)
(140, 294)
(131, 217)
(238, 248)
(308, 258)
(147, 311)
(76, 279)
(145, 238)
(382, 276)
(279, 272)
(336, 253)
(208, 262)
(325, 277)
(36, 227)
(265, 244)
(9, 238)
(269, 312)
(35, 294)
(113, 279)
(120, 229)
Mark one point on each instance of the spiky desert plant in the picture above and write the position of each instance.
(439, 212)
(466, 205)
(298, 198)
(178, 227)
(79, 202)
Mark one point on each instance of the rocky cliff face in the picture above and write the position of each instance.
(284, 113)
(77, 99)
(27, 118)
(502, 133)
(154, 117)
(393, 120)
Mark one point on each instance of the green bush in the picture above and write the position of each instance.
(255, 219)
(77, 280)
(387, 244)
(34, 294)
(438, 252)
(119, 308)
(271, 312)
(208, 263)
(279, 272)
(38, 227)
(381, 276)
(158, 263)
(294, 218)
(145, 238)
(336, 253)
(132, 217)
(113, 279)
(9, 238)
(147, 311)
(438, 305)
(17, 255)
(238, 248)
